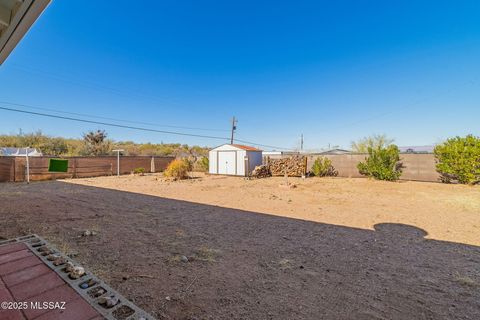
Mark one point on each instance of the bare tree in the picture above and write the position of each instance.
(96, 143)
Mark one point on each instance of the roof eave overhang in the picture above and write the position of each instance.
(19, 26)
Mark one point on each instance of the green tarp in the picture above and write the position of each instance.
(58, 165)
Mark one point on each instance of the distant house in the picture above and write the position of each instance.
(19, 152)
(417, 149)
(234, 159)
(335, 151)
(279, 153)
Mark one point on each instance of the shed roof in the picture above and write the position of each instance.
(237, 146)
(243, 147)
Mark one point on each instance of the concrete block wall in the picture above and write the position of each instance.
(417, 167)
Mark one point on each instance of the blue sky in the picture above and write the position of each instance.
(333, 70)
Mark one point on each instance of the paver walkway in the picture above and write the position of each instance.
(25, 279)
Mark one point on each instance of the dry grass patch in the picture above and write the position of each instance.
(207, 254)
(465, 280)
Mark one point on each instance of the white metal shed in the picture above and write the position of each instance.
(234, 159)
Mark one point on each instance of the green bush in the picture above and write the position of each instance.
(177, 169)
(458, 160)
(382, 163)
(322, 167)
(139, 171)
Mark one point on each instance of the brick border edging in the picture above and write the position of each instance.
(33, 242)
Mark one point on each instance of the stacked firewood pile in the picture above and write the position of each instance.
(261, 171)
(295, 166)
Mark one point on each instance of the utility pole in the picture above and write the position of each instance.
(234, 127)
(301, 143)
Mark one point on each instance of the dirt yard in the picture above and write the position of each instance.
(330, 248)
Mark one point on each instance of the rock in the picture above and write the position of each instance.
(98, 292)
(47, 252)
(112, 301)
(183, 259)
(168, 298)
(88, 233)
(58, 261)
(77, 272)
(88, 284)
(69, 267)
(53, 257)
(108, 301)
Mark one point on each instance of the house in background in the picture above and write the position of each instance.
(234, 159)
(279, 154)
(417, 149)
(19, 152)
(335, 151)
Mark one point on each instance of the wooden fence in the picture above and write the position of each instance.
(14, 168)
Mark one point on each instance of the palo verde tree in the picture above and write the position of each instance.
(458, 160)
(376, 141)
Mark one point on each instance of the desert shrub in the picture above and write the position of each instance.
(322, 167)
(177, 169)
(202, 164)
(458, 160)
(139, 171)
(382, 163)
(188, 163)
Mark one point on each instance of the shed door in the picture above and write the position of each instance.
(226, 162)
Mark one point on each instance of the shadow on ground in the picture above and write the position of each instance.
(246, 265)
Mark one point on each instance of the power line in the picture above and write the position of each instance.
(113, 124)
(108, 118)
(91, 85)
(262, 145)
(133, 127)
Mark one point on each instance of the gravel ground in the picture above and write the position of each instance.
(227, 248)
